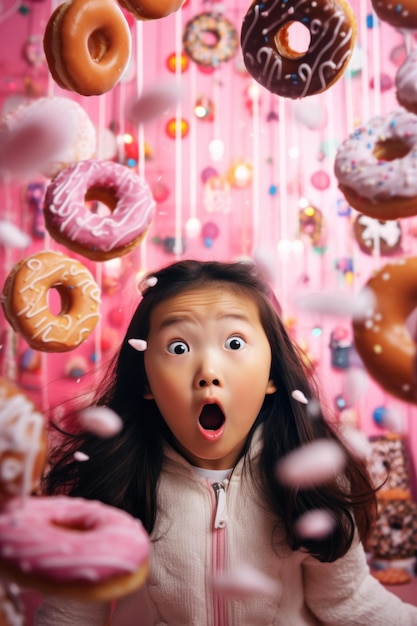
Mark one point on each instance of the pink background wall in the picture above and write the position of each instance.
(290, 146)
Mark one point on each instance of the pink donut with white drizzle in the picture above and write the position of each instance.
(71, 222)
(72, 547)
(376, 166)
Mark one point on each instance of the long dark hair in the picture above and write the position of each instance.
(123, 470)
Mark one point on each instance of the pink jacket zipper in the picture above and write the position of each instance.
(219, 548)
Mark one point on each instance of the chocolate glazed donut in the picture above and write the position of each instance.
(272, 62)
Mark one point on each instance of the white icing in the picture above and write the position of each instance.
(390, 231)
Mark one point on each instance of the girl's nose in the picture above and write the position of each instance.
(208, 371)
(203, 382)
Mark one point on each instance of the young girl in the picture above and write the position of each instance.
(208, 412)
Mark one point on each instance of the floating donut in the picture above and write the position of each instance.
(406, 82)
(98, 237)
(22, 443)
(401, 15)
(25, 301)
(381, 337)
(46, 136)
(87, 45)
(272, 62)
(394, 534)
(377, 236)
(210, 39)
(72, 547)
(376, 166)
(151, 9)
(310, 224)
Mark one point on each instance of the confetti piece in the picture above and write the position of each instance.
(101, 421)
(12, 237)
(354, 384)
(155, 102)
(265, 260)
(357, 443)
(315, 524)
(245, 581)
(138, 344)
(338, 304)
(313, 409)
(311, 465)
(81, 456)
(299, 396)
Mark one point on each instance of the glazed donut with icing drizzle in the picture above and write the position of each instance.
(375, 166)
(272, 62)
(151, 9)
(401, 14)
(381, 336)
(87, 45)
(25, 301)
(96, 236)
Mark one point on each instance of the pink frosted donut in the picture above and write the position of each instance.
(72, 547)
(46, 136)
(98, 237)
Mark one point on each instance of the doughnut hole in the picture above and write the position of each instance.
(59, 300)
(390, 149)
(104, 195)
(293, 40)
(98, 45)
(76, 525)
(209, 38)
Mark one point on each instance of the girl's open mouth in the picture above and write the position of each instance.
(211, 422)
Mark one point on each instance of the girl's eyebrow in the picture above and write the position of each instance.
(172, 320)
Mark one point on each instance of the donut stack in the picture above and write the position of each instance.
(393, 542)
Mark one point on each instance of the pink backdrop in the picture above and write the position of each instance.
(289, 147)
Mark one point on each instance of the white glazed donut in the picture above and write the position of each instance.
(46, 136)
(376, 166)
(71, 223)
(25, 301)
(406, 82)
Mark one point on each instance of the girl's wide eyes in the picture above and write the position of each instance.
(178, 347)
(235, 343)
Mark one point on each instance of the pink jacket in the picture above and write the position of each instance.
(198, 533)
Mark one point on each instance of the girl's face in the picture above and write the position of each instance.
(208, 365)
